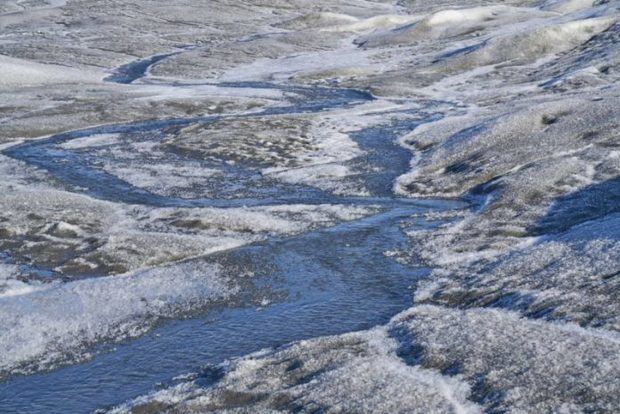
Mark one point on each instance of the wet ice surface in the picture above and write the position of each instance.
(290, 279)
(326, 291)
(216, 181)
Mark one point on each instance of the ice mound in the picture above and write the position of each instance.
(245, 55)
(462, 153)
(21, 73)
(53, 226)
(373, 23)
(317, 20)
(569, 277)
(286, 68)
(422, 6)
(59, 322)
(594, 63)
(448, 23)
(455, 51)
(514, 364)
(532, 44)
(542, 241)
(357, 372)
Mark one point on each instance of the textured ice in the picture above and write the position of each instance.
(262, 142)
(535, 43)
(429, 359)
(569, 277)
(60, 321)
(357, 372)
(43, 324)
(449, 23)
(514, 364)
(317, 20)
(472, 151)
(548, 168)
(519, 313)
(76, 235)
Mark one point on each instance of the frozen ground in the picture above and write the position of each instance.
(224, 206)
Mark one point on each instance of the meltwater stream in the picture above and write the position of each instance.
(336, 280)
(329, 281)
(77, 170)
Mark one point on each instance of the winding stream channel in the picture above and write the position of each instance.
(332, 280)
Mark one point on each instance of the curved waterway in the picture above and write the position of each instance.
(328, 281)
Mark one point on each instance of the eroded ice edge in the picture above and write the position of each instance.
(245, 195)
